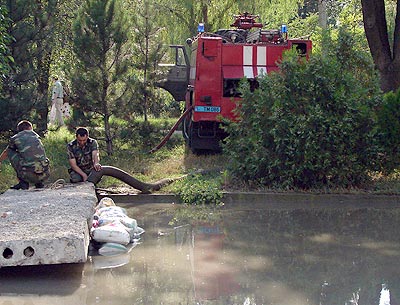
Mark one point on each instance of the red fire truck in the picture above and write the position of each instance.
(207, 80)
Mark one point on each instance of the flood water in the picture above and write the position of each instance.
(243, 254)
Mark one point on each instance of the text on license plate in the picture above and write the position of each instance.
(207, 109)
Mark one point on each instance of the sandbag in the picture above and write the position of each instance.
(105, 202)
(128, 222)
(114, 233)
(111, 225)
(110, 249)
(106, 219)
(111, 211)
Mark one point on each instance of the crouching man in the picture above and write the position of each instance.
(83, 156)
(27, 156)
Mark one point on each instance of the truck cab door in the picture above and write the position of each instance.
(177, 77)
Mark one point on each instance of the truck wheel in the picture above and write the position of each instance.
(193, 140)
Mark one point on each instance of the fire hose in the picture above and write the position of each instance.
(176, 125)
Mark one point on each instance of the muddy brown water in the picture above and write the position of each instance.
(289, 251)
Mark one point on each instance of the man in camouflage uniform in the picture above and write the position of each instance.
(83, 156)
(27, 156)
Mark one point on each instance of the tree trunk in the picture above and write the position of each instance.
(204, 13)
(43, 54)
(42, 88)
(106, 116)
(146, 63)
(390, 78)
(107, 130)
(387, 61)
(322, 18)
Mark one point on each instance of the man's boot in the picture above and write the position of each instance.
(22, 185)
(39, 185)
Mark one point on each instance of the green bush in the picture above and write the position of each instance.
(389, 131)
(309, 126)
(199, 190)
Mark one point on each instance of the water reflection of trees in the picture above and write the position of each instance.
(324, 257)
(332, 256)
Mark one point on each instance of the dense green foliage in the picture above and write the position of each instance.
(199, 189)
(389, 131)
(5, 38)
(25, 88)
(311, 125)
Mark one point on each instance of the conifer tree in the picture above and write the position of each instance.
(100, 36)
(25, 87)
(5, 38)
(148, 50)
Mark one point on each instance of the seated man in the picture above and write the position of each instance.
(83, 156)
(27, 156)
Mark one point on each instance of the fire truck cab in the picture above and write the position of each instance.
(207, 78)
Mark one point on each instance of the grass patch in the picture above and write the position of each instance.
(55, 143)
(7, 176)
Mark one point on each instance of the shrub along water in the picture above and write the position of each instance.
(389, 132)
(311, 125)
(200, 189)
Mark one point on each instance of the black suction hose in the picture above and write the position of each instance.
(95, 177)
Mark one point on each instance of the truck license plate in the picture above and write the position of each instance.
(207, 109)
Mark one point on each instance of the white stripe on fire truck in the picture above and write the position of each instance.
(247, 55)
(261, 56)
(261, 70)
(248, 71)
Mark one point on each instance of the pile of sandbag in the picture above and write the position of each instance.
(113, 228)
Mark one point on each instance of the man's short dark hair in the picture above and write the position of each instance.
(82, 131)
(24, 125)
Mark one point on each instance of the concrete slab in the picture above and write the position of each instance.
(46, 226)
